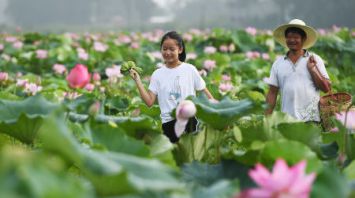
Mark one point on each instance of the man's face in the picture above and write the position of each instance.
(294, 41)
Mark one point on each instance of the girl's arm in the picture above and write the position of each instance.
(208, 94)
(147, 96)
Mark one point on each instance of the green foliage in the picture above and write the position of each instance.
(112, 173)
(22, 119)
(121, 152)
(222, 114)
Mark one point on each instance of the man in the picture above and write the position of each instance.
(299, 75)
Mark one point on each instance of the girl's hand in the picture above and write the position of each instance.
(311, 63)
(135, 76)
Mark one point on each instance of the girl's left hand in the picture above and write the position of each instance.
(135, 76)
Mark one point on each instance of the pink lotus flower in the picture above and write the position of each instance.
(210, 50)
(156, 55)
(185, 110)
(89, 87)
(17, 45)
(223, 48)
(225, 87)
(196, 32)
(78, 77)
(124, 39)
(96, 77)
(41, 54)
(226, 77)
(209, 64)
(322, 32)
(151, 37)
(71, 35)
(135, 45)
(82, 54)
(113, 73)
(283, 181)
(252, 54)
(349, 123)
(100, 47)
(265, 56)
(21, 82)
(4, 76)
(10, 39)
(191, 56)
(59, 69)
(251, 30)
(187, 37)
(32, 88)
(1, 47)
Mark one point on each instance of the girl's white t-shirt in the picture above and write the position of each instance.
(171, 85)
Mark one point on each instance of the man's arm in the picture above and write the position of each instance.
(271, 99)
(320, 82)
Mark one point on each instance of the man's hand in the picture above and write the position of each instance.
(319, 81)
(311, 63)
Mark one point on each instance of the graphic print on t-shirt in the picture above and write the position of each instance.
(175, 93)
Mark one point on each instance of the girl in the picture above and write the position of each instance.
(172, 83)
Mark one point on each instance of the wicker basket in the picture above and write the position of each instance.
(331, 104)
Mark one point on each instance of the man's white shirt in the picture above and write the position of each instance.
(299, 95)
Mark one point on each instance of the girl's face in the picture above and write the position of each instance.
(170, 51)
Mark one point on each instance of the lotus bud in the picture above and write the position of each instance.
(78, 77)
(185, 110)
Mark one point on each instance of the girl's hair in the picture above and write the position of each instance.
(174, 35)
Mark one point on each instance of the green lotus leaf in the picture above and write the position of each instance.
(223, 188)
(161, 148)
(330, 183)
(291, 151)
(263, 129)
(308, 134)
(111, 173)
(134, 126)
(115, 139)
(244, 41)
(117, 103)
(23, 172)
(80, 104)
(222, 114)
(207, 175)
(22, 119)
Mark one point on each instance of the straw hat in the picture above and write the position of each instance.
(279, 33)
